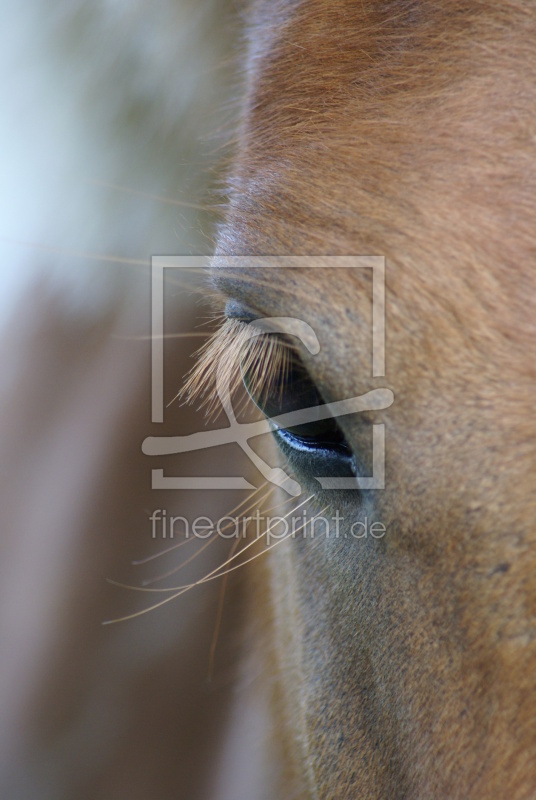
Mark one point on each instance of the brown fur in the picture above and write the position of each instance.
(407, 666)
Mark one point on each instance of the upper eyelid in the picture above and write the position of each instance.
(226, 283)
(236, 310)
(238, 287)
(229, 288)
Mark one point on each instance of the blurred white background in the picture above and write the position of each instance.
(114, 119)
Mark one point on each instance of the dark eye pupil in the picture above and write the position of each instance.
(289, 388)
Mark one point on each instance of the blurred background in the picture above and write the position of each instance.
(115, 118)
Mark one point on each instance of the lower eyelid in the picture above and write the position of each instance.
(325, 462)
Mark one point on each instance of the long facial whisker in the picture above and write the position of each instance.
(210, 577)
(257, 539)
(211, 319)
(204, 546)
(213, 537)
(221, 599)
(82, 254)
(185, 541)
(271, 546)
(160, 198)
(219, 616)
(176, 594)
(215, 572)
(225, 563)
(166, 336)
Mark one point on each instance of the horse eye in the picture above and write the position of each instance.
(281, 385)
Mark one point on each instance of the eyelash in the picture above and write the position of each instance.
(268, 366)
(231, 349)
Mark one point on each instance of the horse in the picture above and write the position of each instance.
(401, 665)
(389, 651)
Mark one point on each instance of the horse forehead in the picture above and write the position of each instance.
(381, 154)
